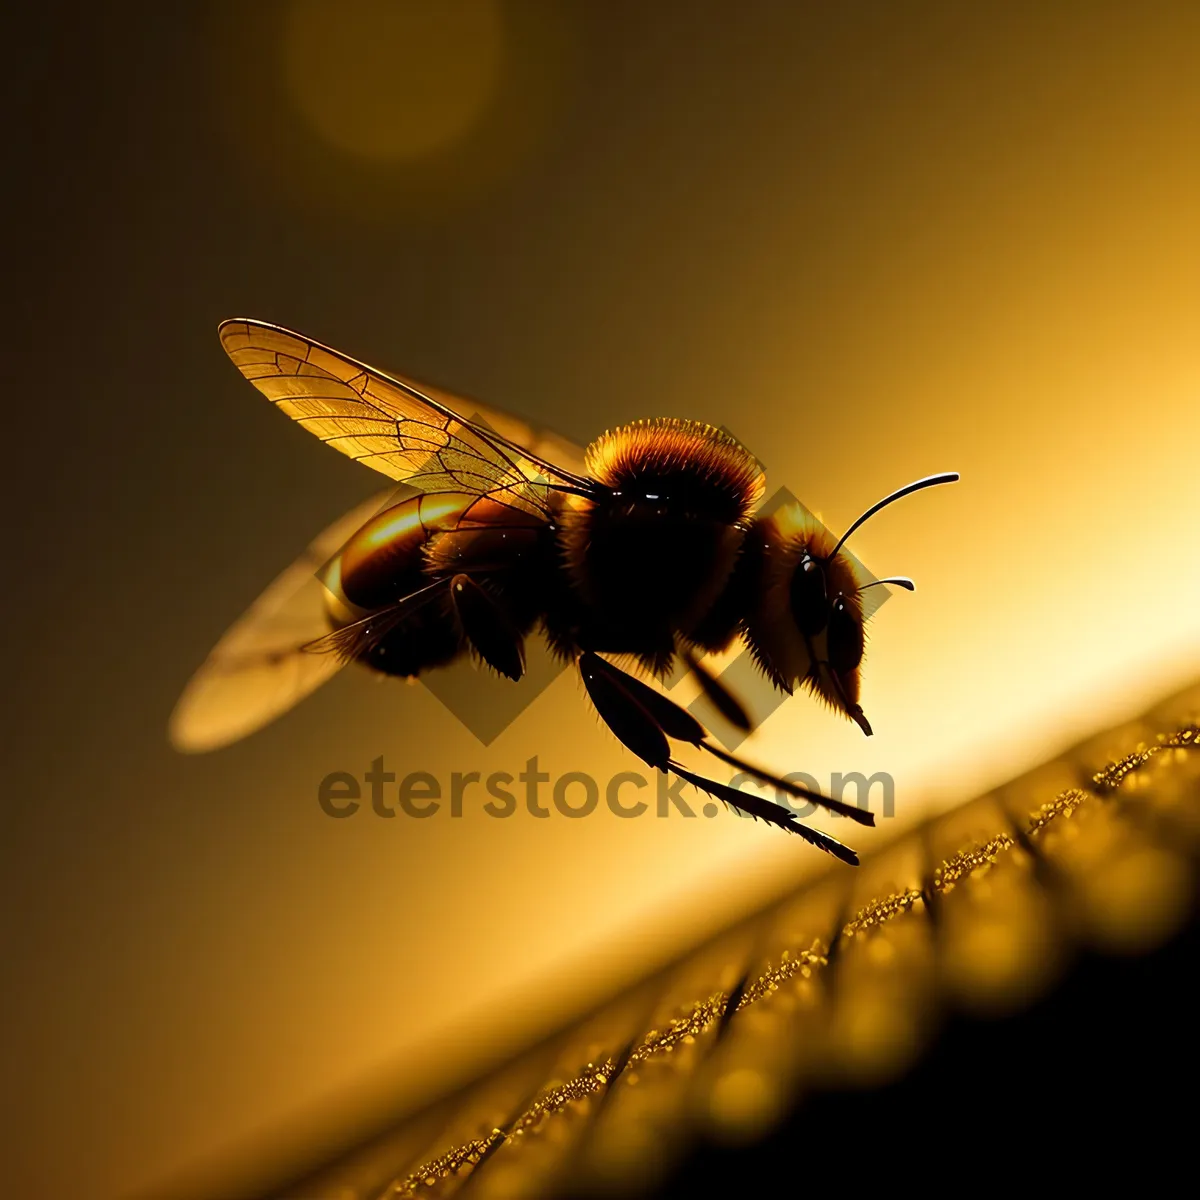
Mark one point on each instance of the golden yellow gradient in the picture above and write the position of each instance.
(873, 245)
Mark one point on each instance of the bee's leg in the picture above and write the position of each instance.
(487, 627)
(633, 726)
(721, 698)
(862, 815)
(643, 719)
(678, 723)
(768, 810)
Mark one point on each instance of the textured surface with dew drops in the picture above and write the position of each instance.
(842, 984)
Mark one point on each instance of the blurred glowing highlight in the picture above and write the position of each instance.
(392, 79)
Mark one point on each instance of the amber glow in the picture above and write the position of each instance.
(872, 246)
(384, 531)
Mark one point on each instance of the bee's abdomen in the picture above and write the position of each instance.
(383, 561)
(414, 549)
(429, 638)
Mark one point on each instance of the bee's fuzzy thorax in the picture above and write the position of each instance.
(671, 452)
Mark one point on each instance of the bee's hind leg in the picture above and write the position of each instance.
(633, 726)
(643, 719)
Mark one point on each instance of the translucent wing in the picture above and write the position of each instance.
(540, 444)
(260, 668)
(402, 429)
(360, 636)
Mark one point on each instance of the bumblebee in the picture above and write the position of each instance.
(646, 548)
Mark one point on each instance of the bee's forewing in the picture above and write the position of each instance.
(258, 670)
(422, 436)
(545, 443)
(425, 437)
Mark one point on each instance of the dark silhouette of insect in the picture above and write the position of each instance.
(646, 547)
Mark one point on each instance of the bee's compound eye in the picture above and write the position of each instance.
(845, 638)
(810, 604)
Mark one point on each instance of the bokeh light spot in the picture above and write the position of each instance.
(392, 79)
(743, 1103)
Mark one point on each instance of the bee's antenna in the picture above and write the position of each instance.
(899, 580)
(928, 481)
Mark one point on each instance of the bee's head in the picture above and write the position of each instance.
(806, 625)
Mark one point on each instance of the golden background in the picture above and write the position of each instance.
(875, 243)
